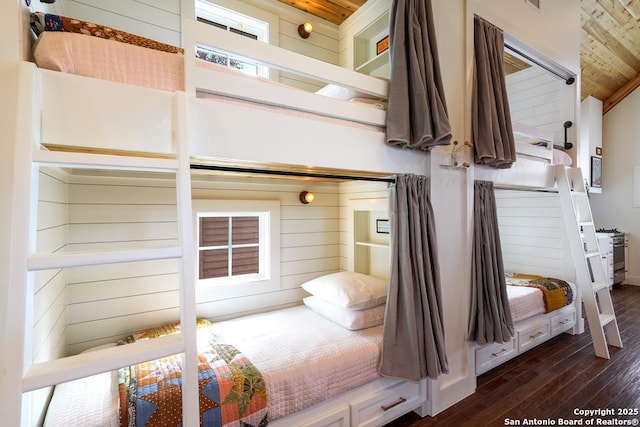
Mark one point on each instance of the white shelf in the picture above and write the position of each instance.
(373, 245)
(374, 63)
(366, 59)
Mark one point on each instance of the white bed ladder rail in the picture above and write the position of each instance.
(590, 274)
(22, 375)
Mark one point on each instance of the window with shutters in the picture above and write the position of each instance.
(229, 246)
(236, 241)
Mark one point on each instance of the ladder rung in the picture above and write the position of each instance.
(78, 259)
(605, 319)
(592, 254)
(82, 365)
(598, 286)
(104, 161)
(586, 224)
(579, 193)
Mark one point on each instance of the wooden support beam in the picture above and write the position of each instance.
(618, 96)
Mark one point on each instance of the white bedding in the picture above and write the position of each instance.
(525, 302)
(303, 357)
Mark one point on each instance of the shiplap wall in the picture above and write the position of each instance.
(537, 99)
(109, 213)
(49, 302)
(107, 302)
(532, 234)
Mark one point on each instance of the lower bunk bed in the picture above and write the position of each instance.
(541, 308)
(293, 366)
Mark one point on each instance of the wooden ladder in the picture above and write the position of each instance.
(590, 273)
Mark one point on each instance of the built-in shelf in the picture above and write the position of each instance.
(374, 63)
(373, 245)
(367, 59)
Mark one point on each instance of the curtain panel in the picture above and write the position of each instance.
(413, 338)
(492, 131)
(417, 115)
(490, 318)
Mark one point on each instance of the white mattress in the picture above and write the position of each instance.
(303, 357)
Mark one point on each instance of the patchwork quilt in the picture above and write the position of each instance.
(231, 391)
(556, 292)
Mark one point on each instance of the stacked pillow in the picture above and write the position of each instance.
(352, 300)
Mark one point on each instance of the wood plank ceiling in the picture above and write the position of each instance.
(609, 48)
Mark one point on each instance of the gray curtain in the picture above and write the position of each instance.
(417, 112)
(492, 132)
(413, 339)
(490, 319)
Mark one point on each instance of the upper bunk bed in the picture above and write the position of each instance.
(135, 84)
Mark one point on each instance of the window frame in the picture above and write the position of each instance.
(271, 35)
(269, 249)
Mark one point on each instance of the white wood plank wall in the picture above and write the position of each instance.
(108, 302)
(532, 234)
(50, 295)
(536, 99)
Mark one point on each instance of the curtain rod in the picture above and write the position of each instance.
(289, 173)
(567, 79)
(524, 188)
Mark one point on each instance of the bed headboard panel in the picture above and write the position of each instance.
(533, 235)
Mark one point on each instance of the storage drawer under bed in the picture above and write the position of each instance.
(492, 355)
(563, 321)
(386, 405)
(534, 335)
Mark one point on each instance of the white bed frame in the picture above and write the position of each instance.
(154, 130)
(533, 173)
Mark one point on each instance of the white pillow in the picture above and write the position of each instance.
(350, 319)
(348, 289)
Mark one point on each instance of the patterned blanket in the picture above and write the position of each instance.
(556, 292)
(231, 391)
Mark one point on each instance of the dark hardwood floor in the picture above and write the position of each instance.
(555, 379)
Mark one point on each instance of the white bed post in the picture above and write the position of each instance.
(23, 205)
(190, 391)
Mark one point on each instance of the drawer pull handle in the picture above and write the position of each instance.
(393, 405)
(565, 321)
(536, 335)
(504, 350)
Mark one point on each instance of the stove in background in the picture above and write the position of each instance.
(612, 245)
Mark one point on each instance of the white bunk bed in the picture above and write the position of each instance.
(129, 127)
(533, 173)
(292, 125)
